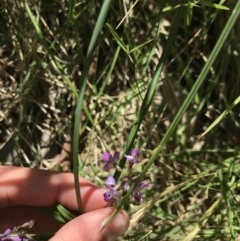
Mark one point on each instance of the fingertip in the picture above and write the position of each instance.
(89, 227)
(117, 227)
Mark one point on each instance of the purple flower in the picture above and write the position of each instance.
(109, 160)
(110, 182)
(111, 194)
(133, 157)
(5, 236)
(125, 186)
(137, 192)
(6, 232)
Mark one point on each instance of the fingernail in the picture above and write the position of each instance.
(117, 227)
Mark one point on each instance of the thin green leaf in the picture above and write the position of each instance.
(228, 27)
(150, 91)
(56, 63)
(62, 214)
(118, 39)
(33, 19)
(140, 46)
(77, 117)
(215, 5)
(189, 15)
(223, 115)
(220, 7)
(147, 100)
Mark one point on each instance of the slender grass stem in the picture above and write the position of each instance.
(77, 116)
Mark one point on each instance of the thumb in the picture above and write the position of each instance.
(88, 227)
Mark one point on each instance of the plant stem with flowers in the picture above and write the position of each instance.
(17, 233)
(114, 190)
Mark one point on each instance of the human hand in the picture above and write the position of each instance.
(22, 189)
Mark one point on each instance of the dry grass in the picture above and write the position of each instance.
(194, 192)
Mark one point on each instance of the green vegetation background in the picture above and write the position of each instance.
(162, 76)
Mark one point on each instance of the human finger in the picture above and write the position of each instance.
(89, 226)
(34, 187)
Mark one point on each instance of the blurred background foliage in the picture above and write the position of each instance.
(41, 64)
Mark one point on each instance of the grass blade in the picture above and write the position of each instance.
(77, 117)
(147, 101)
(229, 25)
(224, 114)
(150, 91)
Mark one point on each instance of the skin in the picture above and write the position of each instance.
(24, 189)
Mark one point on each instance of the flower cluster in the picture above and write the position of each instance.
(10, 235)
(112, 193)
(114, 190)
(17, 233)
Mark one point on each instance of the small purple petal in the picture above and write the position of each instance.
(6, 232)
(142, 186)
(125, 186)
(109, 160)
(110, 182)
(137, 197)
(133, 158)
(107, 197)
(114, 194)
(137, 192)
(110, 195)
(106, 157)
(116, 155)
(16, 238)
(11, 238)
(135, 152)
(108, 166)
